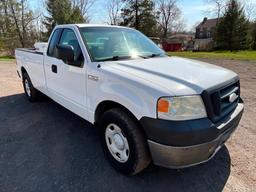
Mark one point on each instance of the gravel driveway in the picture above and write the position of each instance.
(44, 147)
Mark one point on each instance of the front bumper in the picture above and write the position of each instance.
(189, 145)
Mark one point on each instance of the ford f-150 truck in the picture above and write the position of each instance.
(148, 106)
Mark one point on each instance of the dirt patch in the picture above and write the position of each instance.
(242, 144)
(9, 81)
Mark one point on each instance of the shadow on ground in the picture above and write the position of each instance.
(44, 147)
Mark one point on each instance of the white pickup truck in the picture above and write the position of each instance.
(148, 106)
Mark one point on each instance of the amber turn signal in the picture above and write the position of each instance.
(163, 105)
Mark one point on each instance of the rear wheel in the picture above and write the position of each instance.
(123, 142)
(31, 93)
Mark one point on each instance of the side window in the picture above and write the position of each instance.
(69, 38)
(53, 42)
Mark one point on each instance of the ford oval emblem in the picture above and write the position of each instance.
(233, 97)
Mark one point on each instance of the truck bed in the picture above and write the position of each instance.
(33, 61)
(30, 50)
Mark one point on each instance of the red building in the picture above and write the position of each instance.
(172, 46)
(178, 42)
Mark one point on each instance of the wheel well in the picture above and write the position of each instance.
(23, 71)
(107, 105)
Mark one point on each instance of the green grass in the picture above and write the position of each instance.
(6, 58)
(241, 55)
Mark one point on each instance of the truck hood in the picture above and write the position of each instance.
(180, 76)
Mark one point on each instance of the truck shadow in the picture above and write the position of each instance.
(44, 147)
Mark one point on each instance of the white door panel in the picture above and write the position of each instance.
(69, 81)
(66, 84)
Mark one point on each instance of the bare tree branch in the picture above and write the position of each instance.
(114, 7)
(250, 11)
(218, 7)
(169, 16)
(84, 6)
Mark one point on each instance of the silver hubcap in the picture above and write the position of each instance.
(117, 143)
(27, 87)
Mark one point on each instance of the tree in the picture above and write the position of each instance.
(140, 14)
(14, 7)
(6, 29)
(114, 7)
(130, 13)
(232, 30)
(84, 6)
(253, 35)
(16, 24)
(250, 11)
(169, 16)
(61, 12)
(218, 7)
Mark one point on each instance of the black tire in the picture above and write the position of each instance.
(139, 157)
(34, 94)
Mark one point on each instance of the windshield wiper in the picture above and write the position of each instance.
(142, 56)
(155, 55)
(150, 56)
(114, 58)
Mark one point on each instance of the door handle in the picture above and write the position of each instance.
(54, 69)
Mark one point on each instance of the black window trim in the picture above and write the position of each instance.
(61, 31)
(85, 44)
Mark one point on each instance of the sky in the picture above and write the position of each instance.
(193, 11)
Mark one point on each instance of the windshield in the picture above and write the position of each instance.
(112, 43)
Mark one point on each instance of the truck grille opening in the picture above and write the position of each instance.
(221, 101)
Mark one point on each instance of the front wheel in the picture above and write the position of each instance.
(123, 142)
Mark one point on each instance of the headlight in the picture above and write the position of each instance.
(181, 108)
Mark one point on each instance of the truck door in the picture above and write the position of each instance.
(66, 83)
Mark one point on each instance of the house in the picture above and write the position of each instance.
(204, 34)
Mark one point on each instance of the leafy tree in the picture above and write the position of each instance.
(140, 14)
(16, 25)
(61, 12)
(232, 30)
(253, 35)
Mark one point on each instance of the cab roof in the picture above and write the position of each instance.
(92, 25)
(99, 25)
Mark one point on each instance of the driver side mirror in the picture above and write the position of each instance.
(65, 53)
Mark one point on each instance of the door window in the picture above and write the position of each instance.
(68, 37)
(53, 42)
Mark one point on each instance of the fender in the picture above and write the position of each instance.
(137, 95)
